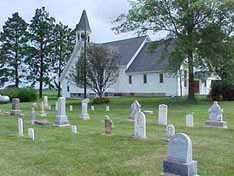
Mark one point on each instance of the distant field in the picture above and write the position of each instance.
(57, 152)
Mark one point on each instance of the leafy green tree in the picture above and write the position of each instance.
(13, 41)
(186, 20)
(63, 44)
(39, 52)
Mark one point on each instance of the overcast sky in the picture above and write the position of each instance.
(100, 13)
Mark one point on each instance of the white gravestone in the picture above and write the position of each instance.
(216, 117)
(84, 114)
(162, 114)
(71, 108)
(92, 108)
(140, 125)
(189, 120)
(179, 156)
(46, 103)
(31, 134)
(33, 115)
(107, 108)
(61, 117)
(170, 130)
(135, 107)
(56, 106)
(74, 129)
(43, 113)
(20, 127)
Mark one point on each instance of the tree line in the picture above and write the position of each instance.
(34, 53)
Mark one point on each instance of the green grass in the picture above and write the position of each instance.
(57, 152)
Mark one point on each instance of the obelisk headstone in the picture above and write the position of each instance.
(61, 117)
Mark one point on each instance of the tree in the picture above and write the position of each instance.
(13, 45)
(186, 20)
(101, 69)
(41, 32)
(63, 43)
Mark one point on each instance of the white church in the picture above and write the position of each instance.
(141, 72)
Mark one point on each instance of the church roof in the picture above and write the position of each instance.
(126, 48)
(84, 23)
(151, 60)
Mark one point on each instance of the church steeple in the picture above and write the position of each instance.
(83, 28)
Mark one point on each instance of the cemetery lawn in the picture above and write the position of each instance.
(57, 152)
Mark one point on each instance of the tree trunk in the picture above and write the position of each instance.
(41, 71)
(191, 97)
(16, 65)
(16, 71)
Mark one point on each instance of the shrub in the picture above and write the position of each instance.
(24, 94)
(216, 91)
(228, 92)
(101, 100)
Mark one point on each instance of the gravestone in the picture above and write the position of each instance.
(31, 133)
(148, 112)
(170, 130)
(74, 129)
(33, 115)
(56, 106)
(135, 107)
(15, 107)
(46, 103)
(92, 108)
(215, 117)
(20, 127)
(162, 114)
(140, 125)
(43, 113)
(61, 117)
(71, 108)
(107, 108)
(34, 105)
(189, 120)
(108, 125)
(179, 156)
(84, 113)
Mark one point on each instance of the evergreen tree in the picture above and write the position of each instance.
(63, 40)
(39, 59)
(13, 45)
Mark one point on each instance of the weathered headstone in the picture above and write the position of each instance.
(108, 125)
(31, 133)
(216, 117)
(107, 108)
(170, 130)
(33, 115)
(74, 129)
(43, 113)
(56, 106)
(162, 114)
(20, 127)
(92, 108)
(15, 106)
(71, 108)
(61, 117)
(135, 107)
(84, 114)
(179, 156)
(140, 125)
(189, 120)
(46, 103)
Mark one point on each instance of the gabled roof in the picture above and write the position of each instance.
(150, 60)
(83, 25)
(126, 48)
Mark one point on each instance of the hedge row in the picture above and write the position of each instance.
(24, 94)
